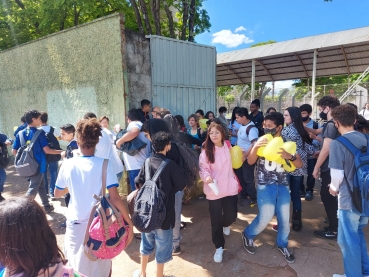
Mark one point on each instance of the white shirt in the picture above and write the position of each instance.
(136, 162)
(365, 113)
(47, 128)
(105, 149)
(244, 140)
(83, 177)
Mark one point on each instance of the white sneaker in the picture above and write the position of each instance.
(226, 231)
(338, 275)
(218, 256)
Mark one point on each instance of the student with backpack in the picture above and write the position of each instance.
(28, 245)
(349, 170)
(52, 136)
(22, 126)
(33, 138)
(169, 181)
(216, 171)
(4, 160)
(257, 116)
(306, 111)
(272, 191)
(326, 104)
(82, 177)
(247, 135)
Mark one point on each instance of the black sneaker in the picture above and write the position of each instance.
(309, 196)
(326, 234)
(1, 198)
(288, 256)
(176, 251)
(248, 244)
(49, 209)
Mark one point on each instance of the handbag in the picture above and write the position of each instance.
(130, 147)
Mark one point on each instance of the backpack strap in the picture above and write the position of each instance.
(249, 128)
(51, 130)
(348, 144)
(104, 173)
(34, 138)
(21, 137)
(147, 169)
(160, 170)
(315, 125)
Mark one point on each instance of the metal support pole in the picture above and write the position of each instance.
(283, 92)
(273, 93)
(265, 93)
(314, 77)
(252, 80)
(306, 95)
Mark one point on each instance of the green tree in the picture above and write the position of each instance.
(229, 99)
(262, 43)
(22, 21)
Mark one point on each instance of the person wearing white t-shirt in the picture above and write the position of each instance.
(134, 163)
(105, 149)
(82, 177)
(247, 135)
(365, 111)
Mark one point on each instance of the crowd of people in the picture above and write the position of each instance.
(28, 245)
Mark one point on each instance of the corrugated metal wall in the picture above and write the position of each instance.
(183, 76)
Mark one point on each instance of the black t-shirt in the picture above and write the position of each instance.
(329, 131)
(170, 181)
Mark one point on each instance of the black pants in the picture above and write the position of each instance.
(329, 201)
(223, 212)
(67, 199)
(245, 175)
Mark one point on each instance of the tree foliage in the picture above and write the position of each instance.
(22, 21)
(263, 43)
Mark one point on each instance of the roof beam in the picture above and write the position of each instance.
(344, 55)
(233, 73)
(302, 64)
(266, 69)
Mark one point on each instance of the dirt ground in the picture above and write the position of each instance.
(314, 256)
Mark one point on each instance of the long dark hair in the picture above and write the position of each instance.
(207, 114)
(28, 245)
(209, 146)
(233, 119)
(296, 118)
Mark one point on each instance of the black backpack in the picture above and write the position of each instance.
(53, 144)
(4, 155)
(149, 209)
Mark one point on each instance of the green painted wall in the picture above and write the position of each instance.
(66, 74)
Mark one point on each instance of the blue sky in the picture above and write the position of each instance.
(236, 24)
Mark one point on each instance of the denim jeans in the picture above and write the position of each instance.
(310, 180)
(177, 225)
(36, 185)
(160, 241)
(272, 199)
(132, 175)
(351, 240)
(53, 169)
(295, 185)
(2, 179)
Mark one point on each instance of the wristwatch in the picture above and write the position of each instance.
(293, 158)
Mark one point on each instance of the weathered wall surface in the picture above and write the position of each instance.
(137, 55)
(66, 74)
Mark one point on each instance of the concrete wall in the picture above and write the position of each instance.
(66, 74)
(137, 60)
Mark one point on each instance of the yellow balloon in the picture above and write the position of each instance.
(236, 157)
(260, 151)
(272, 149)
(279, 161)
(287, 167)
(203, 123)
(15, 128)
(290, 147)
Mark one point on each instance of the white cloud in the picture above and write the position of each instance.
(229, 39)
(239, 29)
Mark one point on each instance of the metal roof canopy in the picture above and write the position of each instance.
(338, 53)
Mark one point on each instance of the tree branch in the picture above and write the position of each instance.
(170, 19)
(184, 19)
(138, 16)
(145, 16)
(191, 22)
(20, 4)
(155, 16)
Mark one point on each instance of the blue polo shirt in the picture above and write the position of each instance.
(40, 143)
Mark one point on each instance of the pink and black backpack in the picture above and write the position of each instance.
(106, 232)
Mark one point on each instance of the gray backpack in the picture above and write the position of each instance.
(25, 162)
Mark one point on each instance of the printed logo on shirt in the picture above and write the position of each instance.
(273, 166)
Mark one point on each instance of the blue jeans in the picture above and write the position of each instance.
(272, 199)
(352, 242)
(132, 175)
(2, 179)
(295, 185)
(177, 225)
(53, 169)
(162, 241)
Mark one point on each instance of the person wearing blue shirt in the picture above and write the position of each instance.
(22, 126)
(5, 141)
(40, 147)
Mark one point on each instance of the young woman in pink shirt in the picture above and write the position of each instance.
(216, 167)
